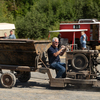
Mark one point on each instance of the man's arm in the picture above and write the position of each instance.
(57, 53)
(61, 51)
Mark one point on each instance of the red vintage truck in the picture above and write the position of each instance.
(72, 31)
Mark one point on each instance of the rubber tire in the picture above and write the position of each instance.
(24, 77)
(76, 58)
(10, 77)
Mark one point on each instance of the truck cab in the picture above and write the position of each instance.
(93, 31)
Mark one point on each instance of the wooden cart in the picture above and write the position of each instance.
(20, 56)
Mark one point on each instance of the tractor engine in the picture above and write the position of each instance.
(82, 64)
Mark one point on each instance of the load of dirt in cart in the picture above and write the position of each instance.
(22, 51)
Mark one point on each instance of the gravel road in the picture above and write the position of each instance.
(38, 89)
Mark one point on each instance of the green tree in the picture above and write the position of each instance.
(90, 9)
(35, 18)
(5, 15)
(33, 25)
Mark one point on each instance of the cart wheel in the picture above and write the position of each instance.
(24, 77)
(8, 80)
(79, 62)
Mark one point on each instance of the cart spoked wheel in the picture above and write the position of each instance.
(8, 80)
(24, 76)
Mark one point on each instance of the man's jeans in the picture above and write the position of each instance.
(61, 68)
(83, 45)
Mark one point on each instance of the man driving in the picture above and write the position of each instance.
(54, 60)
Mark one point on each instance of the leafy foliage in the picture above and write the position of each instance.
(35, 18)
(5, 15)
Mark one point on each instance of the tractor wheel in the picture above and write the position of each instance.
(24, 77)
(79, 62)
(8, 80)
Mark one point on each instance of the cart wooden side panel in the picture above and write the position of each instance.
(21, 52)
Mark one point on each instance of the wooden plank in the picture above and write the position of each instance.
(97, 84)
(57, 82)
(17, 68)
(45, 70)
(23, 68)
(60, 82)
(80, 72)
(80, 81)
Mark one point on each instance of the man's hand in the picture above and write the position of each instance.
(60, 52)
(63, 47)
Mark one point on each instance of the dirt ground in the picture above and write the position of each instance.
(38, 89)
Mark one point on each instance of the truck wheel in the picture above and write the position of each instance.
(24, 77)
(79, 62)
(8, 80)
